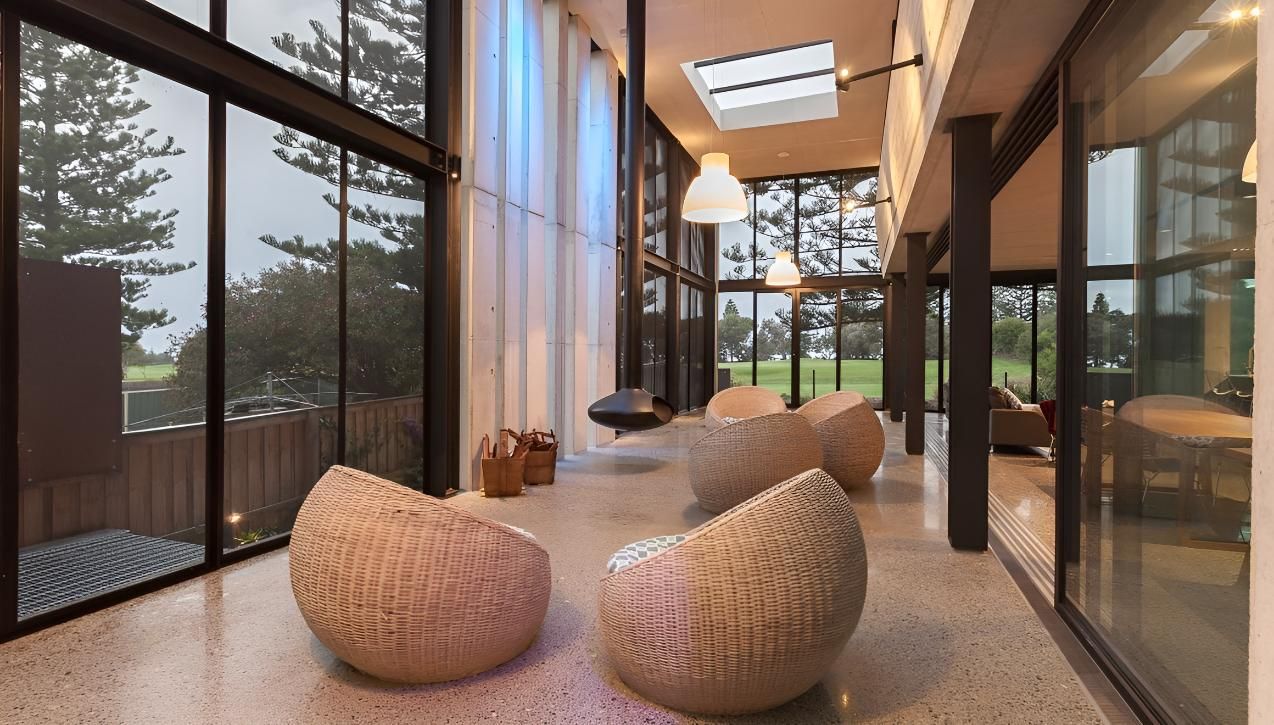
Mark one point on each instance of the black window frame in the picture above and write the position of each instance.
(151, 38)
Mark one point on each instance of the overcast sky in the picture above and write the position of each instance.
(264, 195)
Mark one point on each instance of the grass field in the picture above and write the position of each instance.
(864, 376)
(148, 372)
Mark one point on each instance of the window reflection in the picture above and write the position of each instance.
(385, 322)
(1165, 104)
(301, 36)
(282, 288)
(111, 290)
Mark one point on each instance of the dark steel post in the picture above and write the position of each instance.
(635, 182)
(10, 84)
(896, 346)
(971, 325)
(214, 395)
(1072, 369)
(442, 261)
(917, 285)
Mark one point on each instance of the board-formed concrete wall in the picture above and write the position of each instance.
(539, 117)
(1261, 644)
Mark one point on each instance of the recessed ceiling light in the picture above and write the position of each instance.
(783, 154)
(765, 87)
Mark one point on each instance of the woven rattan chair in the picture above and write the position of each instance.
(411, 589)
(736, 462)
(750, 610)
(745, 401)
(851, 434)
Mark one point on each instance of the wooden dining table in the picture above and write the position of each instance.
(1200, 432)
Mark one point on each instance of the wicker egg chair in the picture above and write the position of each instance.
(408, 588)
(745, 401)
(749, 611)
(852, 437)
(736, 462)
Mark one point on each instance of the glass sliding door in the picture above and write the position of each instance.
(385, 322)
(818, 343)
(1162, 116)
(935, 329)
(736, 328)
(281, 320)
(112, 234)
(1012, 338)
(774, 342)
(692, 351)
(862, 343)
(654, 334)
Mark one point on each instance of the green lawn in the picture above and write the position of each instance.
(864, 376)
(148, 372)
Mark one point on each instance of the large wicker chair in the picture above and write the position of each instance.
(744, 401)
(851, 434)
(736, 462)
(749, 610)
(411, 589)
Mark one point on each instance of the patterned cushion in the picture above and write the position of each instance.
(526, 534)
(639, 550)
(1011, 399)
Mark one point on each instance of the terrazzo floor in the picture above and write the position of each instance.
(945, 636)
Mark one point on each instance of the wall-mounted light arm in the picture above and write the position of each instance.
(850, 205)
(842, 84)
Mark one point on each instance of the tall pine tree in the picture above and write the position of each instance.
(84, 171)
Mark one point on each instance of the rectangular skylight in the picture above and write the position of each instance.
(760, 88)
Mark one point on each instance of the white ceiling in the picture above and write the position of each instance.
(686, 30)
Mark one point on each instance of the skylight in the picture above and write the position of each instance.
(762, 88)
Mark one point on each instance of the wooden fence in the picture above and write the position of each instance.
(271, 462)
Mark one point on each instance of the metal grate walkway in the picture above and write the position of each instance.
(67, 570)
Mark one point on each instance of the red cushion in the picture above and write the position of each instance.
(1049, 409)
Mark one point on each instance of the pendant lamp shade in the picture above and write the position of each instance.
(714, 197)
(1249, 165)
(783, 273)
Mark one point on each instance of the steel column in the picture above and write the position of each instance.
(635, 184)
(895, 346)
(971, 325)
(917, 285)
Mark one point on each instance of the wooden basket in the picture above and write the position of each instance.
(502, 468)
(541, 457)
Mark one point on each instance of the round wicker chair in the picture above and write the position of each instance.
(749, 611)
(851, 434)
(411, 589)
(745, 401)
(736, 462)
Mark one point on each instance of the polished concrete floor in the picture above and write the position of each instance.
(945, 636)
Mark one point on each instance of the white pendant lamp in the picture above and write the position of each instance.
(714, 197)
(1249, 165)
(783, 273)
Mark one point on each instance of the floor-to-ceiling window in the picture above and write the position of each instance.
(1161, 119)
(221, 288)
(827, 221)
(678, 259)
(113, 238)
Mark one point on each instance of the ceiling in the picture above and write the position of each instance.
(679, 31)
